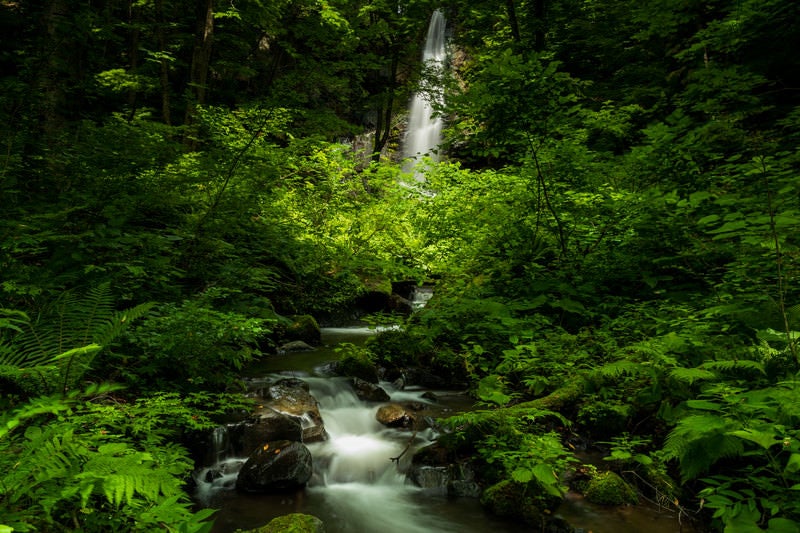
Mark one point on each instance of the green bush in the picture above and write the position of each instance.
(190, 346)
(79, 463)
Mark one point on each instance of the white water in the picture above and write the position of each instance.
(356, 488)
(360, 483)
(424, 131)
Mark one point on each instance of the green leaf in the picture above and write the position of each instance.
(783, 525)
(704, 405)
(764, 439)
(708, 219)
(793, 464)
(728, 227)
(522, 475)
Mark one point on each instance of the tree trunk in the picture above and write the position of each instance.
(383, 127)
(201, 57)
(539, 25)
(166, 115)
(134, 55)
(51, 76)
(513, 21)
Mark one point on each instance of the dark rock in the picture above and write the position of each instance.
(368, 392)
(428, 395)
(304, 328)
(435, 468)
(264, 426)
(291, 397)
(395, 416)
(276, 466)
(295, 346)
(400, 305)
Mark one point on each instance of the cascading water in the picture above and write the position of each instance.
(356, 487)
(424, 132)
(361, 484)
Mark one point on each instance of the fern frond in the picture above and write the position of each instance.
(68, 334)
(699, 441)
(734, 364)
(620, 368)
(690, 375)
(106, 331)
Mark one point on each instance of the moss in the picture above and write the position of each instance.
(292, 523)
(357, 364)
(509, 499)
(607, 488)
(304, 328)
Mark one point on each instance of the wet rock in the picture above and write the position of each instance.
(434, 468)
(394, 415)
(266, 425)
(430, 396)
(295, 346)
(519, 501)
(291, 397)
(294, 523)
(304, 328)
(368, 392)
(276, 466)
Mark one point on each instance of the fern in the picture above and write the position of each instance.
(728, 365)
(83, 464)
(60, 345)
(699, 441)
(690, 375)
(620, 368)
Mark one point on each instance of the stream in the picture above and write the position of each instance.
(357, 488)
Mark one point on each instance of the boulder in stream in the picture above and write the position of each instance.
(394, 415)
(291, 397)
(368, 392)
(294, 523)
(276, 466)
(295, 346)
(265, 425)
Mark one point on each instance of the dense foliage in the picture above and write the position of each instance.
(614, 236)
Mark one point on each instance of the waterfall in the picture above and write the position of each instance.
(424, 132)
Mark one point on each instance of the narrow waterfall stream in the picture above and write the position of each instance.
(424, 131)
(356, 486)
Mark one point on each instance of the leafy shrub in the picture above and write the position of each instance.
(356, 362)
(67, 462)
(190, 345)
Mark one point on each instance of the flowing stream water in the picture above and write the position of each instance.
(357, 488)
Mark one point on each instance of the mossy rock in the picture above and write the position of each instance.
(291, 523)
(357, 364)
(608, 488)
(303, 328)
(518, 501)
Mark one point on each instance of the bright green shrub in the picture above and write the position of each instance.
(66, 461)
(189, 345)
